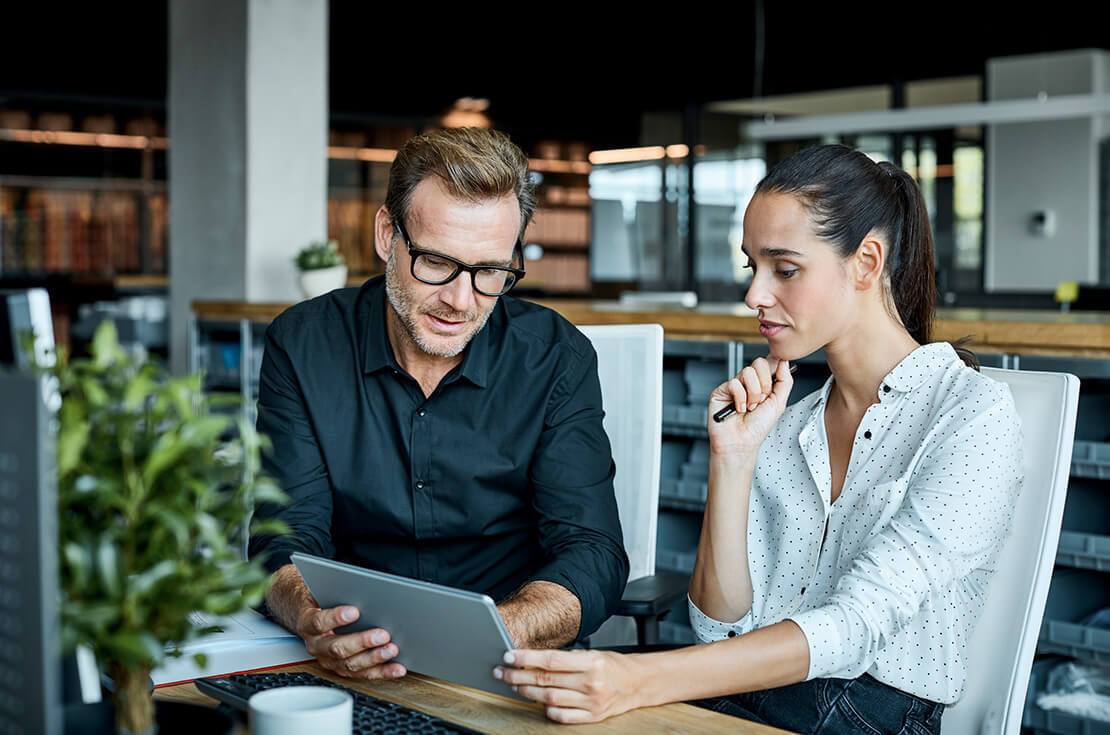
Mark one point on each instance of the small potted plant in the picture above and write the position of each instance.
(322, 268)
(156, 487)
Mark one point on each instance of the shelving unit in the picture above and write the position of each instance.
(1054, 722)
(104, 210)
(561, 228)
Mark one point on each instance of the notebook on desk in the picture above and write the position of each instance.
(247, 642)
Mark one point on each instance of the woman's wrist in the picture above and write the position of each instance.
(733, 462)
(644, 680)
(654, 683)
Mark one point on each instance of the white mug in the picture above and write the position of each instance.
(297, 710)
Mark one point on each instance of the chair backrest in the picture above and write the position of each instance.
(630, 366)
(1000, 652)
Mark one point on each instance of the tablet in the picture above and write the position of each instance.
(439, 631)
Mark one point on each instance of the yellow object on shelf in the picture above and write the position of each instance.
(1067, 291)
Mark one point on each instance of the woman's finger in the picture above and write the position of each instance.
(555, 696)
(764, 369)
(750, 380)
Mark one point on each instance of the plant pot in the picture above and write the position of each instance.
(173, 718)
(322, 280)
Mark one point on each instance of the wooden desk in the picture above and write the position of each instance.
(494, 714)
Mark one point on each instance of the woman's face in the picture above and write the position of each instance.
(800, 285)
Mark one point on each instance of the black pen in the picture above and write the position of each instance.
(730, 409)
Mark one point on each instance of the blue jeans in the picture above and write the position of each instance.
(835, 707)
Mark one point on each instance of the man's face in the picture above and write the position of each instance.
(441, 320)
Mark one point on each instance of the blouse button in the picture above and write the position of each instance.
(867, 435)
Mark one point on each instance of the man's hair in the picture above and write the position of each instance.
(473, 164)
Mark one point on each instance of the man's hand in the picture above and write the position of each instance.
(363, 655)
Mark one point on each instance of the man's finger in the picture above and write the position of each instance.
(368, 659)
(381, 671)
(325, 621)
(345, 646)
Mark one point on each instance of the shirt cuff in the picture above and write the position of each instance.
(591, 601)
(276, 555)
(709, 629)
(825, 639)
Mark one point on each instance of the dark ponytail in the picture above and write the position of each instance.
(847, 196)
(913, 273)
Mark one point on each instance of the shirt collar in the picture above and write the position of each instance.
(378, 354)
(918, 366)
(908, 375)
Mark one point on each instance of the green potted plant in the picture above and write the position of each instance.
(156, 487)
(322, 268)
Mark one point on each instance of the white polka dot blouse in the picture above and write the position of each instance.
(890, 579)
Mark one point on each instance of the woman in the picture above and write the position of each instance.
(848, 540)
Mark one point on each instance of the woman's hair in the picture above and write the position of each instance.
(847, 196)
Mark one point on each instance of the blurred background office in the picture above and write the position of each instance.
(162, 164)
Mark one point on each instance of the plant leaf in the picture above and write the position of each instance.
(136, 648)
(142, 583)
(107, 566)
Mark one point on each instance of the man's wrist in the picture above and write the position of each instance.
(288, 598)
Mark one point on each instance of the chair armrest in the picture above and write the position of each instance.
(653, 595)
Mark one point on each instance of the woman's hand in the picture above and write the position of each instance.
(575, 686)
(759, 393)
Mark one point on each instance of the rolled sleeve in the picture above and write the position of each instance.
(572, 481)
(708, 629)
(952, 523)
(295, 462)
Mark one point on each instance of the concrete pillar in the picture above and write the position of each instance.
(248, 127)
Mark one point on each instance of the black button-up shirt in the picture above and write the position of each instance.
(502, 476)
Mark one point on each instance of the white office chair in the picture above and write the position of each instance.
(1000, 652)
(630, 367)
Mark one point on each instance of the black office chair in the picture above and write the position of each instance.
(647, 600)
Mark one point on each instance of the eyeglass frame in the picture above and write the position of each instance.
(415, 252)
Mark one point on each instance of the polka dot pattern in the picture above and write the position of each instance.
(890, 579)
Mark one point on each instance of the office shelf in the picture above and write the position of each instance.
(1076, 640)
(1091, 459)
(675, 561)
(688, 421)
(1054, 722)
(683, 495)
(1084, 551)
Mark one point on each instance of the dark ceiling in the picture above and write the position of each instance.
(567, 73)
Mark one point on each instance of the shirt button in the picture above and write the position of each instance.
(867, 435)
(419, 486)
(732, 634)
(420, 412)
(803, 590)
(886, 389)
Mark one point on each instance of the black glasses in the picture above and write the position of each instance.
(436, 269)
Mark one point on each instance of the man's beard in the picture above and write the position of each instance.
(409, 315)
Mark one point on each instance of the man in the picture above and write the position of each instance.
(427, 425)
